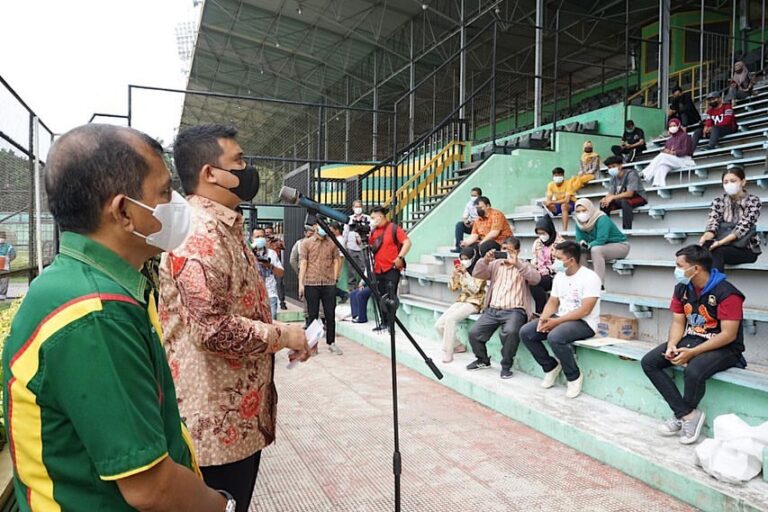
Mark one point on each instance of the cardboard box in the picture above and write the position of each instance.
(613, 326)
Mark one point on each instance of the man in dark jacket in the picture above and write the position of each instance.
(706, 337)
(683, 108)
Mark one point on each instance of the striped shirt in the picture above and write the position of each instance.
(509, 288)
(89, 394)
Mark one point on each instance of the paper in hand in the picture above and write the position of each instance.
(314, 333)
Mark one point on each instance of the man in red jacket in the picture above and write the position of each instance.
(719, 121)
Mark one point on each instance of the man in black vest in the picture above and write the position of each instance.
(706, 337)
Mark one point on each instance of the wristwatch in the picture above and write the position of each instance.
(231, 503)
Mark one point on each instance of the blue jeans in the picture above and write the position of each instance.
(273, 305)
(560, 339)
(510, 321)
(358, 299)
(699, 369)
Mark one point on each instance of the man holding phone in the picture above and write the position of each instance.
(508, 304)
(706, 337)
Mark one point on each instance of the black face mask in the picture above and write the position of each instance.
(249, 182)
(480, 212)
(714, 104)
(587, 150)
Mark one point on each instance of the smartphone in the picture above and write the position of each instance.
(456, 263)
(500, 255)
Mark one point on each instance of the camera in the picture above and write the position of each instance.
(362, 227)
(263, 260)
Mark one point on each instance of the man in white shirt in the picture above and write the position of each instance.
(270, 267)
(571, 314)
(464, 226)
(353, 243)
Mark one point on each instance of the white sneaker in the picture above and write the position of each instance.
(334, 349)
(670, 427)
(551, 376)
(574, 387)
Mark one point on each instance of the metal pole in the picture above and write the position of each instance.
(555, 71)
(320, 145)
(538, 63)
(703, 90)
(462, 64)
(762, 36)
(627, 61)
(663, 86)
(493, 89)
(376, 107)
(412, 96)
(38, 193)
(733, 37)
(130, 105)
(346, 124)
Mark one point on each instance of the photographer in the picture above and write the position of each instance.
(358, 222)
(389, 244)
(270, 267)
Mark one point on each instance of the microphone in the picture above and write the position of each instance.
(292, 196)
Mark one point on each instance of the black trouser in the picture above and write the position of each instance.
(540, 291)
(631, 153)
(699, 369)
(280, 289)
(326, 294)
(237, 478)
(715, 135)
(461, 230)
(510, 321)
(490, 245)
(387, 283)
(627, 207)
(727, 255)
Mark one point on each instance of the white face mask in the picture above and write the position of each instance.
(544, 238)
(558, 179)
(732, 188)
(466, 263)
(175, 219)
(374, 222)
(674, 128)
(582, 217)
(357, 210)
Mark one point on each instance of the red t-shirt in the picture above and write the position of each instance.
(729, 309)
(385, 257)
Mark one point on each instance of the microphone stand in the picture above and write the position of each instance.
(388, 304)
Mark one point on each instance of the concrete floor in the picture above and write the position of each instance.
(334, 449)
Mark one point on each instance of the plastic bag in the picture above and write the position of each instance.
(735, 455)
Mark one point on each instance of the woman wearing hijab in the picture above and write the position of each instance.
(590, 161)
(470, 301)
(741, 83)
(601, 238)
(676, 154)
(544, 259)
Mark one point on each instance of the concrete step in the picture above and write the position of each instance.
(610, 433)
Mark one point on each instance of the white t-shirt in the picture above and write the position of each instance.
(269, 278)
(571, 290)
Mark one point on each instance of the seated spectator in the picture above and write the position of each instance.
(561, 193)
(706, 337)
(742, 83)
(632, 142)
(464, 226)
(571, 314)
(490, 228)
(719, 121)
(731, 232)
(676, 154)
(598, 237)
(471, 295)
(358, 300)
(508, 304)
(590, 161)
(544, 259)
(625, 191)
(683, 108)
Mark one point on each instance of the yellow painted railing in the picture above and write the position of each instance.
(454, 152)
(697, 87)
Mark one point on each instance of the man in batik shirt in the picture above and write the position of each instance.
(219, 335)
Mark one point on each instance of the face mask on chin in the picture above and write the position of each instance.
(175, 219)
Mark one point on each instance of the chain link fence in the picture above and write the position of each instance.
(25, 220)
